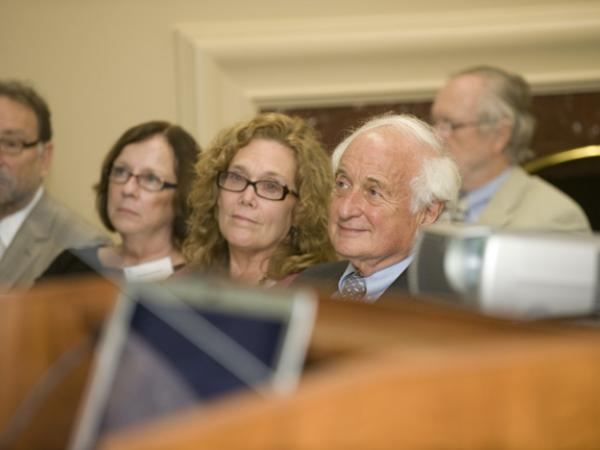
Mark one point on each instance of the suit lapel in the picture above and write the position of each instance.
(29, 239)
(401, 282)
(337, 271)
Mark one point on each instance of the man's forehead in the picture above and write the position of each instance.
(468, 82)
(463, 91)
(381, 157)
(376, 140)
(16, 117)
(386, 144)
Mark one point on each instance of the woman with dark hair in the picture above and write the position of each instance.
(260, 202)
(142, 196)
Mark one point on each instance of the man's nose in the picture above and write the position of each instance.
(350, 204)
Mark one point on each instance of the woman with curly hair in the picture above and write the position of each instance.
(260, 202)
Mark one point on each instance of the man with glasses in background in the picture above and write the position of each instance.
(483, 114)
(34, 228)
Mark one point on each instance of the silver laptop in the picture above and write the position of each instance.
(180, 344)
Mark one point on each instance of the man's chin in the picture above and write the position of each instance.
(348, 251)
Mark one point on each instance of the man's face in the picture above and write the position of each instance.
(475, 147)
(370, 220)
(22, 174)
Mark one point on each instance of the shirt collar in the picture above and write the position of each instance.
(378, 282)
(477, 200)
(9, 226)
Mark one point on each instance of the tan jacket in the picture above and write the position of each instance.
(49, 229)
(527, 202)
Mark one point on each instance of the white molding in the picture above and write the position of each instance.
(228, 71)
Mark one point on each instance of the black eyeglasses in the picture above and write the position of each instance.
(14, 146)
(267, 189)
(148, 181)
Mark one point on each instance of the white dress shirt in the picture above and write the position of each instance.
(9, 226)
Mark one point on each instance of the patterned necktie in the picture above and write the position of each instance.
(354, 287)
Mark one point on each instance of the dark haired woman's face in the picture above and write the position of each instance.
(133, 210)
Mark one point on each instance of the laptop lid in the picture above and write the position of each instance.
(181, 343)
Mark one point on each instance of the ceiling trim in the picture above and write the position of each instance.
(228, 71)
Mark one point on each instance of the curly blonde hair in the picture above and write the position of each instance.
(308, 242)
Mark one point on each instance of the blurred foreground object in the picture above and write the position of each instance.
(522, 275)
(413, 375)
(170, 346)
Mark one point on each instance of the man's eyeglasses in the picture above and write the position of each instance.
(147, 181)
(449, 127)
(267, 189)
(14, 146)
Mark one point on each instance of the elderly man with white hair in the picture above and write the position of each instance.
(392, 176)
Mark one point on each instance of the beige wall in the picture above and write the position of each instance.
(105, 65)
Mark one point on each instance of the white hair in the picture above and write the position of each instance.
(438, 179)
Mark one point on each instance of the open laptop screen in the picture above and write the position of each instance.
(174, 345)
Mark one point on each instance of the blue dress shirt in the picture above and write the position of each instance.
(475, 201)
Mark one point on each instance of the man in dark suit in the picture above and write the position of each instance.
(392, 176)
(34, 228)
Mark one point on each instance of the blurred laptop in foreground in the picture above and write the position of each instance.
(176, 345)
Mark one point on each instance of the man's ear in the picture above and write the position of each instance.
(503, 132)
(46, 158)
(430, 214)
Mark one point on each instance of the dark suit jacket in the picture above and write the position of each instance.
(83, 261)
(73, 262)
(326, 276)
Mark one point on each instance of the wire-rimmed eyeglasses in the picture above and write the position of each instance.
(267, 189)
(449, 127)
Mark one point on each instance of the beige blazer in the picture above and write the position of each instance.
(527, 202)
(49, 229)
